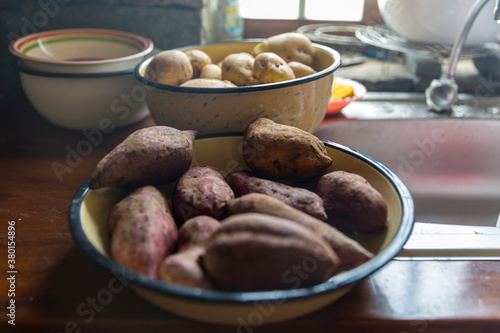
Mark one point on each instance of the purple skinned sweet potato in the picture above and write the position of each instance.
(283, 152)
(244, 182)
(254, 252)
(350, 252)
(184, 267)
(201, 190)
(143, 231)
(149, 156)
(351, 202)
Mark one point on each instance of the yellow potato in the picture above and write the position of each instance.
(238, 68)
(211, 71)
(198, 59)
(300, 70)
(208, 83)
(269, 68)
(170, 67)
(291, 46)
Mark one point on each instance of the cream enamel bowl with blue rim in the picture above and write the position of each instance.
(81, 50)
(89, 210)
(301, 102)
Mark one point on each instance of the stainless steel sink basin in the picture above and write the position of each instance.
(384, 105)
(451, 167)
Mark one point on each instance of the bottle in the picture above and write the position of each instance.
(222, 21)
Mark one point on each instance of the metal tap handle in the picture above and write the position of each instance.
(462, 36)
(443, 93)
(496, 13)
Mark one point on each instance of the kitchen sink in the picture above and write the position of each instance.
(450, 164)
(393, 105)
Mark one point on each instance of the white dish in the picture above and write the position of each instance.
(85, 101)
(438, 21)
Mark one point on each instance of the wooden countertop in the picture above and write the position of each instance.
(54, 280)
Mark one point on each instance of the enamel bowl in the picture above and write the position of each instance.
(83, 78)
(81, 50)
(101, 101)
(300, 102)
(89, 210)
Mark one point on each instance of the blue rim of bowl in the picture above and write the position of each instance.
(334, 283)
(22, 68)
(258, 87)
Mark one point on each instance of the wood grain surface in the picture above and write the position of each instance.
(58, 289)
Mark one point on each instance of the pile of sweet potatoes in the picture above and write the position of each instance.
(246, 230)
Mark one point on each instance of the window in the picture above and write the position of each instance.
(323, 10)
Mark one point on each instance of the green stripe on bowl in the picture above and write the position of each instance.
(84, 38)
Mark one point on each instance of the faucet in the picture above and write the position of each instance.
(442, 93)
(496, 12)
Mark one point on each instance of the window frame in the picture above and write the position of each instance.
(263, 28)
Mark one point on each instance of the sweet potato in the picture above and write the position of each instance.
(149, 156)
(184, 267)
(251, 252)
(244, 182)
(351, 202)
(143, 231)
(350, 252)
(201, 190)
(279, 151)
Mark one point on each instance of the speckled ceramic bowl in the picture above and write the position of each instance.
(89, 210)
(301, 102)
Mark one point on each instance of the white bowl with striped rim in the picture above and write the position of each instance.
(77, 51)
